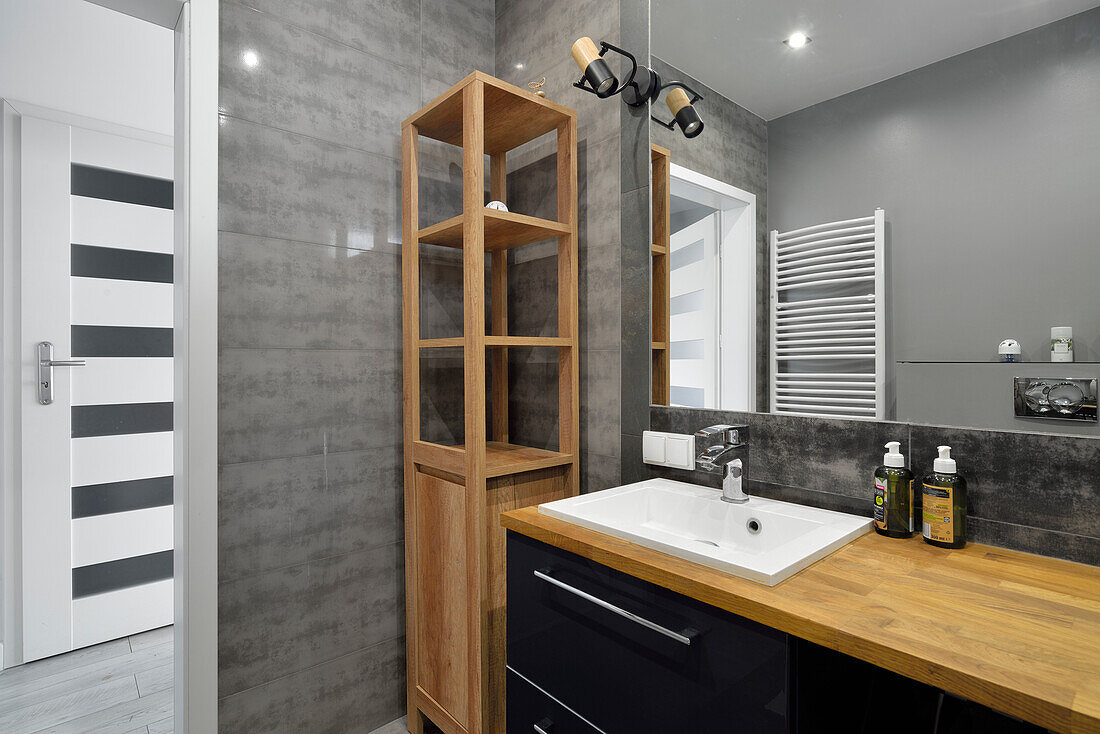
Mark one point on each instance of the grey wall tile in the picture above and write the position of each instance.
(600, 425)
(533, 397)
(274, 403)
(599, 472)
(311, 84)
(1037, 480)
(293, 618)
(600, 293)
(457, 37)
(289, 511)
(1031, 492)
(353, 693)
(385, 28)
(277, 293)
(281, 184)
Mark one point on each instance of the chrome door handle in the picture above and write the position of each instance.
(683, 638)
(46, 363)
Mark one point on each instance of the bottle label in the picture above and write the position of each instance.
(880, 503)
(939, 519)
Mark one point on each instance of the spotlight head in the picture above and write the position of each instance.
(595, 69)
(684, 113)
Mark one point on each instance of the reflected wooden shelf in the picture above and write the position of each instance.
(500, 458)
(503, 231)
(499, 341)
(658, 249)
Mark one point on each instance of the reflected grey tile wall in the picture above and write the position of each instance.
(733, 148)
(533, 38)
(312, 94)
(1031, 492)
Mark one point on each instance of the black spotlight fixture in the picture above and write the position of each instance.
(642, 85)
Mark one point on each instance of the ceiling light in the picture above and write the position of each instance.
(798, 39)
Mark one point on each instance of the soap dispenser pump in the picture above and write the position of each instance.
(893, 510)
(943, 495)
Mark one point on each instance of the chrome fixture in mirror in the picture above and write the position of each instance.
(1070, 398)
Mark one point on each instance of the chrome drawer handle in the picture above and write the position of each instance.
(544, 726)
(681, 638)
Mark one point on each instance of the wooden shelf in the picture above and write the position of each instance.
(658, 249)
(499, 341)
(500, 458)
(503, 231)
(513, 116)
(660, 345)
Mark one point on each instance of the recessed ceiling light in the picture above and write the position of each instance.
(798, 39)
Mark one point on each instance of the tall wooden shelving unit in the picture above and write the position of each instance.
(662, 242)
(454, 545)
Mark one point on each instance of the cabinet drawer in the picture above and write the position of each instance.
(633, 657)
(531, 711)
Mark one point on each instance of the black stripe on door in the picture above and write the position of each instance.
(89, 261)
(120, 419)
(121, 341)
(100, 578)
(131, 188)
(91, 500)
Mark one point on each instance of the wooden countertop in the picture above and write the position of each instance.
(1016, 632)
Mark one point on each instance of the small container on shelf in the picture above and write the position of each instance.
(1061, 344)
(1009, 351)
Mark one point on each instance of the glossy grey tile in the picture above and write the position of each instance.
(386, 28)
(599, 295)
(278, 293)
(600, 420)
(274, 403)
(282, 76)
(599, 472)
(457, 38)
(330, 698)
(533, 397)
(287, 511)
(280, 184)
(293, 618)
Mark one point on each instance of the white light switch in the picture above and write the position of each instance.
(675, 450)
(653, 448)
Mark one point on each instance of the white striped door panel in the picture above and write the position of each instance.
(103, 459)
(103, 302)
(103, 538)
(117, 224)
(105, 380)
(103, 150)
(113, 614)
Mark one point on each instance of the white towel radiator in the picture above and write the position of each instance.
(841, 337)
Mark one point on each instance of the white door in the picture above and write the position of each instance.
(693, 309)
(95, 245)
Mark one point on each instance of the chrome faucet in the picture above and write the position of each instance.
(713, 459)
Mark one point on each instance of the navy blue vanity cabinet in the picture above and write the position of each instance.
(589, 646)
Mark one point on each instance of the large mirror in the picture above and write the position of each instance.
(892, 210)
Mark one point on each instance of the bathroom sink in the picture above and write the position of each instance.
(761, 540)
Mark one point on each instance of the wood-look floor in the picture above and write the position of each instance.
(123, 687)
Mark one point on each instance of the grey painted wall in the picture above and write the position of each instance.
(732, 148)
(1031, 492)
(311, 600)
(986, 164)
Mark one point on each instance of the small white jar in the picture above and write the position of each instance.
(1061, 344)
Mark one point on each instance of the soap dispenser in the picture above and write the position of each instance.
(893, 511)
(943, 494)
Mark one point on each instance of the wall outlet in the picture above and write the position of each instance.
(675, 450)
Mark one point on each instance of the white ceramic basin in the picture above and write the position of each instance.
(761, 540)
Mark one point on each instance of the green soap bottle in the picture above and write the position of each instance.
(893, 495)
(943, 496)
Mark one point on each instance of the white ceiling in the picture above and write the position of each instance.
(161, 12)
(736, 46)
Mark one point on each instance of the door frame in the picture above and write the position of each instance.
(196, 365)
(737, 235)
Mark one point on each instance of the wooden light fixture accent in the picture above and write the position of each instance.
(593, 66)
